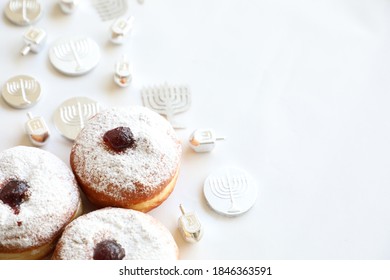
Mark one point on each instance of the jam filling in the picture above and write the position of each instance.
(119, 138)
(108, 250)
(14, 193)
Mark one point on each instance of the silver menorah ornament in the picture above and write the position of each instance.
(23, 12)
(74, 56)
(71, 116)
(167, 100)
(34, 39)
(110, 9)
(230, 191)
(21, 91)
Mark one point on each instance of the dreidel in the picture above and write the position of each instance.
(37, 130)
(35, 39)
(122, 76)
(120, 29)
(190, 226)
(203, 140)
(68, 6)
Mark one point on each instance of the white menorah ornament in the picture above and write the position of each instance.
(230, 191)
(71, 116)
(74, 56)
(78, 114)
(168, 101)
(110, 9)
(23, 12)
(21, 91)
(73, 50)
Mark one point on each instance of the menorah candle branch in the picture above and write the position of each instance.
(75, 55)
(168, 101)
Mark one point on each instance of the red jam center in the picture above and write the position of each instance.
(14, 193)
(108, 250)
(119, 138)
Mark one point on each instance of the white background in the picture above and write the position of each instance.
(299, 88)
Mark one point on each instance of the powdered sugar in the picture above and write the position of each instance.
(153, 161)
(140, 235)
(53, 197)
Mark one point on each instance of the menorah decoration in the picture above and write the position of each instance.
(167, 100)
(74, 56)
(71, 116)
(110, 9)
(23, 12)
(230, 191)
(21, 91)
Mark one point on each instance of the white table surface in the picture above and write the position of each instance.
(300, 89)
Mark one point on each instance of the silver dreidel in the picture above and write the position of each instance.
(37, 130)
(68, 6)
(190, 226)
(35, 39)
(122, 76)
(203, 140)
(120, 29)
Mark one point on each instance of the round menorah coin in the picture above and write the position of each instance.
(71, 116)
(230, 191)
(21, 91)
(23, 12)
(74, 56)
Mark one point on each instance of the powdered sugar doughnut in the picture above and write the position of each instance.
(114, 234)
(127, 157)
(38, 198)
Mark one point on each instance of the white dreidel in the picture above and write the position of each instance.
(68, 6)
(37, 130)
(203, 140)
(190, 226)
(122, 76)
(121, 29)
(35, 39)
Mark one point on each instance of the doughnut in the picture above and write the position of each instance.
(116, 234)
(127, 158)
(39, 196)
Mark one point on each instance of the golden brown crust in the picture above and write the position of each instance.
(138, 200)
